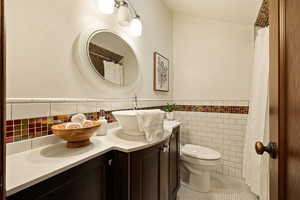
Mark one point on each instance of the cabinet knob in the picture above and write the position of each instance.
(110, 162)
(165, 148)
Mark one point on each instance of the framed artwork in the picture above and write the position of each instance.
(161, 73)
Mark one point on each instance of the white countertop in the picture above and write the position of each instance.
(31, 167)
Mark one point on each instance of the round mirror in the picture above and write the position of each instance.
(112, 58)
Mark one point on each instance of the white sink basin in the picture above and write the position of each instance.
(129, 122)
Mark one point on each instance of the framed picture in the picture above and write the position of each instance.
(161, 73)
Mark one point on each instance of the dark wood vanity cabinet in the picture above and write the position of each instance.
(145, 173)
(87, 181)
(153, 173)
(141, 175)
(148, 174)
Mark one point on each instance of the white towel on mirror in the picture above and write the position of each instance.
(113, 72)
(151, 122)
(120, 74)
(108, 66)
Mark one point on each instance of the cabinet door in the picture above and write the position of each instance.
(174, 163)
(164, 172)
(87, 181)
(145, 170)
(120, 176)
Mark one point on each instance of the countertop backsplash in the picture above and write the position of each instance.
(33, 118)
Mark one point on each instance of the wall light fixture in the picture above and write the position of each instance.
(127, 15)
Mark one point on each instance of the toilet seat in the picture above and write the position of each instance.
(199, 162)
(199, 155)
(199, 152)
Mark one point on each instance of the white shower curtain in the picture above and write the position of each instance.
(256, 168)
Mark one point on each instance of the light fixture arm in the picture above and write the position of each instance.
(128, 16)
(130, 6)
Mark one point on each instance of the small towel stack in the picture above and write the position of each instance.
(151, 122)
(79, 121)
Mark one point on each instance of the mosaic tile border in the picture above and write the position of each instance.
(263, 15)
(17, 130)
(214, 109)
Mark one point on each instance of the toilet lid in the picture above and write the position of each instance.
(200, 152)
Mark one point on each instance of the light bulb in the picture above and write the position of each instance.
(136, 27)
(124, 15)
(106, 6)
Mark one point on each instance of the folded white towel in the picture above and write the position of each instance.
(151, 122)
(79, 118)
(87, 123)
(73, 125)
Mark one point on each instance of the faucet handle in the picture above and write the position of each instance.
(102, 113)
(135, 102)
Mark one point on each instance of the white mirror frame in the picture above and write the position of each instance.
(89, 71)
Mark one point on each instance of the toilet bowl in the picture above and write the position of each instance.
(199, 162)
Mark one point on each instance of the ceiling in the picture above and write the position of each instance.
(238, 11)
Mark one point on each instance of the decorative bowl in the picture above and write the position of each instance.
(78, 137)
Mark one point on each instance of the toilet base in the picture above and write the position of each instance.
(199, 183)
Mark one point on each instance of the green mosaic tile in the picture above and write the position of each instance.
(17, 138)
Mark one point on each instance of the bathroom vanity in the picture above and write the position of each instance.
(125, 172)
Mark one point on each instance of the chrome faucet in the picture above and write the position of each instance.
(135, 102)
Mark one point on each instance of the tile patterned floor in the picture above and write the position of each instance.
(223, 188)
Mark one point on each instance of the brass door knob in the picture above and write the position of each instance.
(271, 149)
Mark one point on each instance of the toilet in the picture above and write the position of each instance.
(199, 161)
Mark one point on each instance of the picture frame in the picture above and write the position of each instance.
(161, 73)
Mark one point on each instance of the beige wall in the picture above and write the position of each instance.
(212, 59)
(41, 39)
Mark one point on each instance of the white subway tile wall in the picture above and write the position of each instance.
(63, 108)
(8, 111)
(103, 106)
(34, 108)
(222, 132)
(87, 107)
(30, 110)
